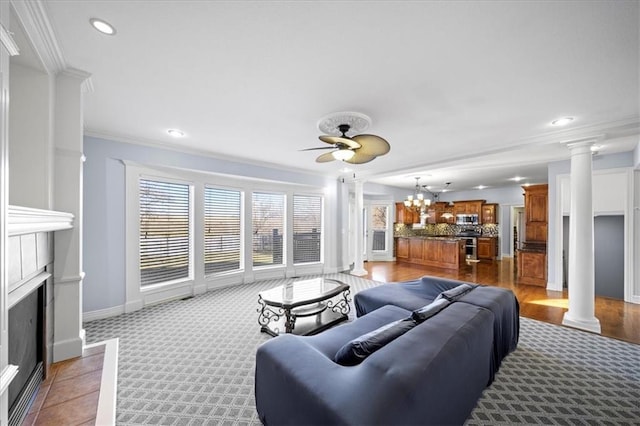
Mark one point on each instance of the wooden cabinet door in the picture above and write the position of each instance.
(415, 250)
(532, 268)
(402, 248)
(431, 252)
(489, 214)
(486, 248)
(400, 213)
(536, 231)
(474, 207)
(459, 208)
(449, 252)
(537, 207)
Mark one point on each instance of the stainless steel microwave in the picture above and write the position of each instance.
(466, 219)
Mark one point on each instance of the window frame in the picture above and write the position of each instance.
(322, 227)
(242, 228)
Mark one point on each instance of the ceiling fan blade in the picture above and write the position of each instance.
(322, 147)
(325, 158)
(360, 158)
(372, 145)
(340, 140)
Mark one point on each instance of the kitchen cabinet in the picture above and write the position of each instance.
(406, 215)
(437, 210)
(535, 206)
(402, 248)
(532, 267)
(487, 248)
(431, 251)
(489, 214)
(468, 207)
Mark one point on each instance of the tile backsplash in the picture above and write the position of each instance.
(442, 229)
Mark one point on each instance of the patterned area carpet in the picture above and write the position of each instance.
(191, 362)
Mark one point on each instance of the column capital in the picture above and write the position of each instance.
(587, 142)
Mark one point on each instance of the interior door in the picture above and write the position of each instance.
(379, 230)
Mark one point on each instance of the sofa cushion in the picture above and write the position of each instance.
(430, 310)
(356, 350)
(456, 292)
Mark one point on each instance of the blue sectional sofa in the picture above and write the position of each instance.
(432, 374)
(412, 295)
(419, 353)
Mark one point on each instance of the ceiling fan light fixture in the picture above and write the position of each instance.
(343, 154)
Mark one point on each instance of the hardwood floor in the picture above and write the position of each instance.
(618, 319)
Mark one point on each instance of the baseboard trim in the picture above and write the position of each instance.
(67, 349)
(103, 313)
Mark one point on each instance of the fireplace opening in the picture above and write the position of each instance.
(26, 350)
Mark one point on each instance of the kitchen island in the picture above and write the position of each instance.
(439, 251)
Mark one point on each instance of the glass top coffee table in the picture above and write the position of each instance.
(303, 306)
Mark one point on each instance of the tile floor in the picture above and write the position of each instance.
(69, 395)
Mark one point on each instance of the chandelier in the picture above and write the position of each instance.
(417, 200)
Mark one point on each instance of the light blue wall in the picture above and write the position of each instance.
(104, 208)
(555, 169)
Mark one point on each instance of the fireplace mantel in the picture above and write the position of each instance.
(25, 220)
(30, 247)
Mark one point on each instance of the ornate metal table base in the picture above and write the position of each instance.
(303, 319)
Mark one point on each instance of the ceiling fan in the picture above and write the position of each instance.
(358, 149)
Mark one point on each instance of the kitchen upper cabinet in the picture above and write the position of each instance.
(405, 215)
(468, 207)
(535, 206)
(436, 210)
(489, 214)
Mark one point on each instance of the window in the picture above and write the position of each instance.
(307, 225)
(165, 238)
(268, 226)
(222, 230)
(379, 216)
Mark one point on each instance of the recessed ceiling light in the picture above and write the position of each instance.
(562, 121)
(480, 187)
(102, 26)
(516, 179)
(176, 133)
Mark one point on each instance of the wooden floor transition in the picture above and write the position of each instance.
(69, 395)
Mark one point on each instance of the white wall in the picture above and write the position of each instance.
(613, 193)
(30, 146)
(104, 209)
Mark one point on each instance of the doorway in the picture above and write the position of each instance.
(378, 231)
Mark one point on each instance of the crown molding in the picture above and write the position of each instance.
(7, 41)
(37, 26)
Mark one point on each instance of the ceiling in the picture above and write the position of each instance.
(463, 91)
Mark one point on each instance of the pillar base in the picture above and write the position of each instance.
(359, 272)
(590, 324)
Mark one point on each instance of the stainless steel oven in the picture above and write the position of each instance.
(471, 248)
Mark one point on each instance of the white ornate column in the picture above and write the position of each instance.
(581, 249)
(358, 267)
(68, 274)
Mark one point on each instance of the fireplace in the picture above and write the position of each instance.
(26, 350)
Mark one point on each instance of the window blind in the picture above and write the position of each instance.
(164, 231)
(307, 224)
(268, 225)
(222, 230)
